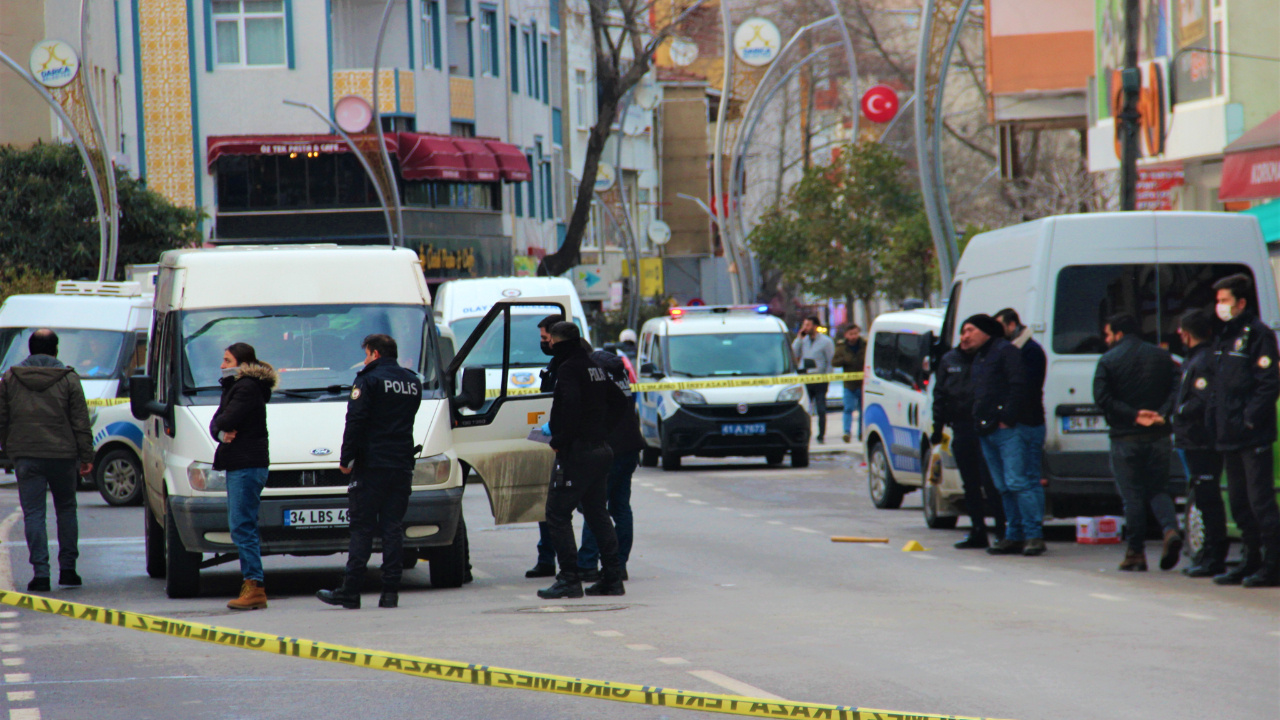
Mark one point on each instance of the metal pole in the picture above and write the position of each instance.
(79, 143)
(377, 122)
(941, 244)
(107, 264)
(852, 57)
(939, 179)
(717, 161)
(1131, 84)
(377, 187)
(633, 310)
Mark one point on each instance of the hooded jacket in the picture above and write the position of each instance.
(1035, 364)
(244, 410)
(43, 413)
(998, 380)
(1247, 384)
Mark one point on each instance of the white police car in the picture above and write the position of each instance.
(720, 343)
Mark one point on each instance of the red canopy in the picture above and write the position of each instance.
(219, 145)
(482, 166)
(513, 163)
(431, 157)
(1251, 164)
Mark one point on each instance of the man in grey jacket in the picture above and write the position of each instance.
(815, 346)
(44, 428)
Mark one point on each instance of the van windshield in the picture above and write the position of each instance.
(1154, 294)
(525, 340)
(93, 354)
(726, 354)
(315, 348)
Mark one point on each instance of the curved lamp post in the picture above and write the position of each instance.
(398, 237)
(107, 264)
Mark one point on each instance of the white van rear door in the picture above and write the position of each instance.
(494, 439)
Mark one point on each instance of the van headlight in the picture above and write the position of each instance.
(204, 478)
(432, 470)
(688, 397)
(791, 394)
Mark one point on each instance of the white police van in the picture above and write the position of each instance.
(305, 309)
(720, 343)
(102, 334)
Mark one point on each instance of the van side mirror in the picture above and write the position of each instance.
(142, 398)
(472, 394)
(650, 370)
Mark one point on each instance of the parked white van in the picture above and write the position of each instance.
(305, 309)
(713, 343)
(897, 402)
(102, 335)
(1065, 275)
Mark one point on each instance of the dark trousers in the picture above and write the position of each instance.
(378, 498)
(1204, 473)
(546, 550)
(818, 396)
(624, 465)
(1141, 469)
(1252, 492)
(584, 484)
(980, 495)
(57, 476)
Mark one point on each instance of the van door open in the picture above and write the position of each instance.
(492, 437)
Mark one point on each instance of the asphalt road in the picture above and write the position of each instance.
(736, 588)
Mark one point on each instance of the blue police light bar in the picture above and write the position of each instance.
(681, 311)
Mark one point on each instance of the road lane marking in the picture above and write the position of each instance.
(480, 574)
(658, 489)
(773, 522)
(1043, 583)
(735, 686)
(749, 515)
(527, 597)
(641, 647)
(1104, 596)
(646, 484)
(12, 662)
(608, 633)
(24, 714)
(1195, 616)
(17, 677)
(22, 696)
(918, 556)
(580, 621)
(697, 502)
(9, 614)
(975, 568)
(725, 509)
(10, 648)
(673, 661)
(805, 530)
(674, 495)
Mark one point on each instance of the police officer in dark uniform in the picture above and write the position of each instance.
(546, 565)
(586, 406)
(1243, 417)
(1194, 440)
(377, 451)
(953, 405)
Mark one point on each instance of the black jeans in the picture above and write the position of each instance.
(378, 498)
(1252, 492)
(58, 475)
(818, 396)
(980, 495)
(1204, 470)
(624, 466)
(584, 484)
(1141, 469)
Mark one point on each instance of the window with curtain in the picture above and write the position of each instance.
(513, 52)
(249, 33)
(546, 79)
(581, 116)
(431, 34)
(488, 42)
(530, 66)
(460, 50)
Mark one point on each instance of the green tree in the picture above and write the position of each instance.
(836, 227)
(48, 223)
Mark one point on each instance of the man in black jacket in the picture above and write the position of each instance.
(546, 564)
(586, 406)
(1194, 440)
(1136, 384)
(999, 389)
(378, 450)
(1031, 425)
(1243, 417)
(953, 405)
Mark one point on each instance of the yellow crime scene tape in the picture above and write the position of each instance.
(451, 671)
(107, 402)
(709, 384)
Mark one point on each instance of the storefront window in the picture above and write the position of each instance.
(276, 182)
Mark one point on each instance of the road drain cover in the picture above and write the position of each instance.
(571, 608)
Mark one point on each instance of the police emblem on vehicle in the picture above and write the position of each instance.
(742, 408)
(321, 451)
(522, 379)
(511, 293)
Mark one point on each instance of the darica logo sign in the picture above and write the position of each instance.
(54, 63)
(757, 42)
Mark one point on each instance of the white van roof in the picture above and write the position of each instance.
(474, 296)
(705, 321)
(84, 312)
(914, 321)
(237, 276)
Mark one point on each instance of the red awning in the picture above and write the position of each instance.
(482, 166)
(513, 163)
(1251, 164)
(219, 145)
(431, 157)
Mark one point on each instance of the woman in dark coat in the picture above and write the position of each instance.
(240, 427)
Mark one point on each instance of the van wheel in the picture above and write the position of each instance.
(182, 567)
(153, 541)
(649, 457)
(409, 558)
(800, 458)
(886, 493)
(119, 477)
(775, 458)
(931, 498)
(449, 563)
(670, 460)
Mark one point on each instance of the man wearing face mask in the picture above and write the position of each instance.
(546, 565)
(1242, 417)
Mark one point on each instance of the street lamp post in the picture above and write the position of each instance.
(398, 237)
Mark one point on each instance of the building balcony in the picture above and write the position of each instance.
(395, 88)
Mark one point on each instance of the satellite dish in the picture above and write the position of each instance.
(683, 51)
(659, 232)
(647, 97)
(352, 113)
(634, 122)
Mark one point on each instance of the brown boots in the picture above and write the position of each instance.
(1134, 561)
(253, 596)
